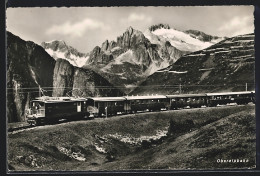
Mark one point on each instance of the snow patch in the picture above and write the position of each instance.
(100, 149)
(115, 48)
(75, 155)
(178, 72)
(137, 141)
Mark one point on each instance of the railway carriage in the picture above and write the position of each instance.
(144, 103)
(187, 100)
(224, 98)
(51, 109)
(100, 106)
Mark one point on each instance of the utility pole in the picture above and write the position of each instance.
(246, 86)
(39, 91)
(16, 88)
(180, 86)
(106, 111)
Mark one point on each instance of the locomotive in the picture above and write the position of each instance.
(51, 109)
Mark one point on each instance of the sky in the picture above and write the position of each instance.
(87, 27)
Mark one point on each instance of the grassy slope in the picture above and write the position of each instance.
(222, 132)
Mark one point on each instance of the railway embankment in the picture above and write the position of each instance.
(181, 139)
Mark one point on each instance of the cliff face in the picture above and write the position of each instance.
(28, 68)
(70, 80)
(62, 78)
(226, 66)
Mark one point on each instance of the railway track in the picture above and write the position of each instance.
(12, 129)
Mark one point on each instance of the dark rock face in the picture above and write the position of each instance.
(159, 26)
(105, 46)
(28, 67)
(62, 78)
(226, 66)
(70, 80)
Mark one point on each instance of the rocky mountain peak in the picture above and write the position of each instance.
(105, 45)
(159, 26)
(55, 45)
(59, 49)
(201, 35)
(130, 30)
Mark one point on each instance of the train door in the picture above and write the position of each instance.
(79, 106)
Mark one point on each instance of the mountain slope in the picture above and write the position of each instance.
(59, 49)
(141, 141)
(28, 67)
(225, 66)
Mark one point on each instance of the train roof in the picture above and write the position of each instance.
(185, 95)
(145, 97)
(98, 99)
(47, 99)
(230, 93)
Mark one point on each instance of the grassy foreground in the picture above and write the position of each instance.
(182, 139)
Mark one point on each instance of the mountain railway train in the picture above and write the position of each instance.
(50, 109)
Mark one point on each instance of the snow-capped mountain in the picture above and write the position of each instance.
(189, 41)
(131, 58)
(59, 49)
(134, 55)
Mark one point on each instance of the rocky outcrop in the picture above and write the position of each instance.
(28, 68)
(73, 81)
(105, 46)
(62, 78)
(226, 66)
(201, 35)
(159, 26)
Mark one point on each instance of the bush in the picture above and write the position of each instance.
(180, 127)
